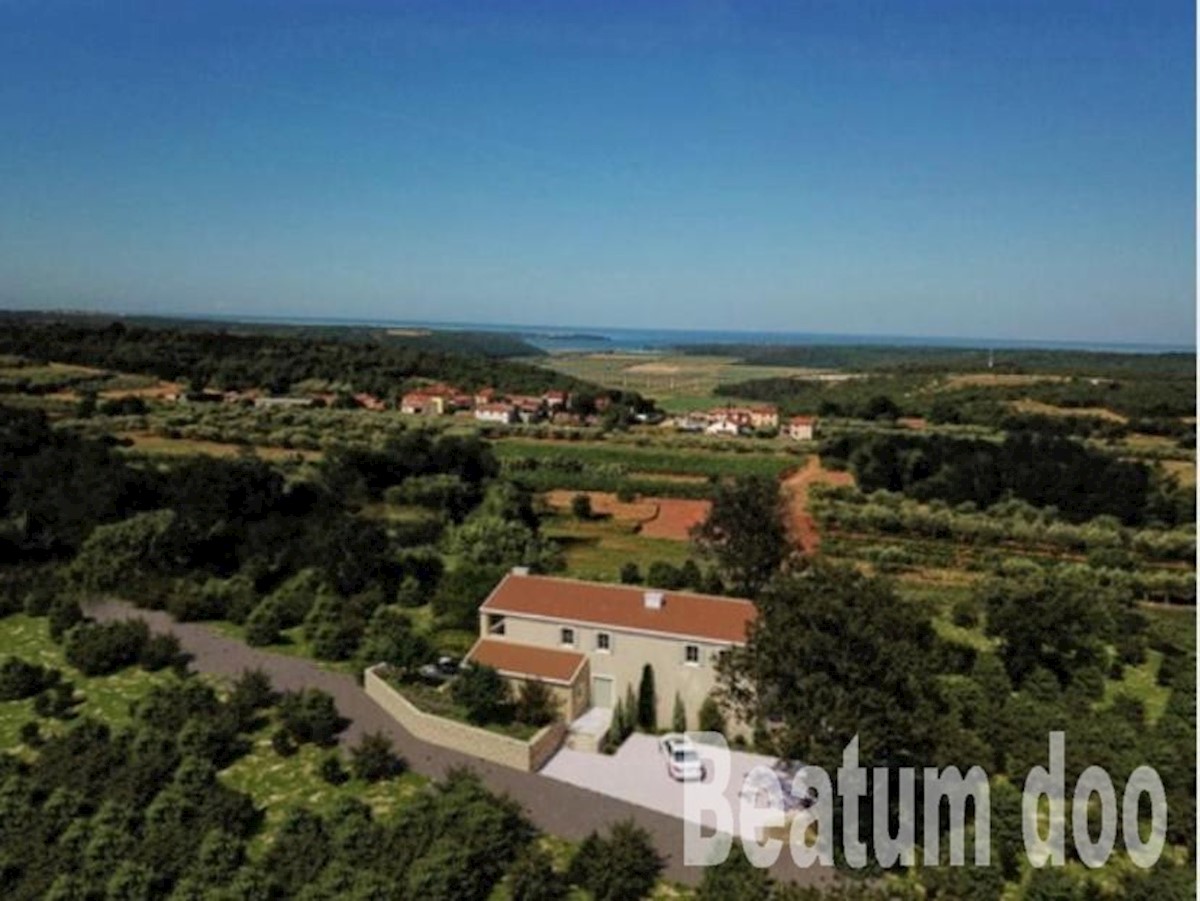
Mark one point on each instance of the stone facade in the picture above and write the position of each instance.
(620, 667)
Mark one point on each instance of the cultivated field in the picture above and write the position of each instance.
(679, 382)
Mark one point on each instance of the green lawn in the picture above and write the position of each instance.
(107, 698)
(1141, 682)
(596, 549)
(279, 783)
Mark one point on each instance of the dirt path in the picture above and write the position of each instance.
(555, 807)
(801, 525)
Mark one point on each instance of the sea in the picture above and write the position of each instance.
(566, 339)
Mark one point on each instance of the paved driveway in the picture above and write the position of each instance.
(637, 774)
(554, 805)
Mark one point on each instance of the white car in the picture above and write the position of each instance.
(683, 762)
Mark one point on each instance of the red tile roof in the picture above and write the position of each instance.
(683, 614)
(515, 659)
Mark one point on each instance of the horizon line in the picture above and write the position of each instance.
(841, 339)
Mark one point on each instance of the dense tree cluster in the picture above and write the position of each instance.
(140, 814)
(744, 533)
(1046, 471)
(834, 655)
(620, 866)
(227, 360)
(211, 538)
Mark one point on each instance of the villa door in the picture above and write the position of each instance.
(602, 691)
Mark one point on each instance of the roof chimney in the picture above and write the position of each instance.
(520, 570)
(653, 600)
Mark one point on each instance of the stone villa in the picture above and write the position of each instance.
(589, 641)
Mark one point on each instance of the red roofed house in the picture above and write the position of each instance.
(589, 641)
(801, 428)
(555, 399)
(369, 402)
(422, 402)
(765, 416)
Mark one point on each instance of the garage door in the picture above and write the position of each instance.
(602, 691)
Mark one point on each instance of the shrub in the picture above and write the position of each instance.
(679, 715)
(332, 771)
(662, 574)
(161, 651)
(390, 639)
(966, 613)
(484, 694)
(97, 649)
(56, 701)
(536, 705)
(19, 679)
(710, 718)
(621, 867)
(31, 733)
(581, 506)
(630, 574)
(374, 758)
(532, 877)
(63, 614)
(283, 743)
(310, 715)
(264, 623)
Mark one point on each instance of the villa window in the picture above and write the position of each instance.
(568, 636)
(691, 654)
(603, 642)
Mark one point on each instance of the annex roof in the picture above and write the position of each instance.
(515, 659)
(679, 614)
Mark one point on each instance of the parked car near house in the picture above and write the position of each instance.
(443, 670)
(683, 761)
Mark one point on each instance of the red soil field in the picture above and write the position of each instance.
(659, 517)
(606, 504)
(676, 518)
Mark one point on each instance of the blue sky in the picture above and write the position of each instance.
(964, 168)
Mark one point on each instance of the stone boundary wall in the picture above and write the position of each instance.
(528, 756)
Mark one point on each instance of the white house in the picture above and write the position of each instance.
(801, 428)
(722, 427)
(501, 413)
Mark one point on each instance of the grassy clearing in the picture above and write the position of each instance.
(1040, 408)
(279, 783)
(678, 382)
(106, 698)
(1184, 471)
(1141, 682)
(596, 549)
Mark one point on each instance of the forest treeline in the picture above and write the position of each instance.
(227, 360)
(1154, 402)
(1044, 470)
(881, 357)
(209, 538)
